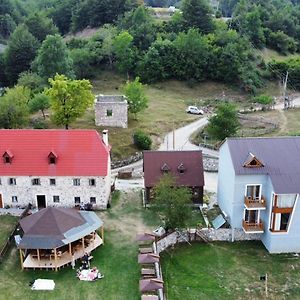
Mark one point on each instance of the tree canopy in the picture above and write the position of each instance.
(69, 99)
(224, 123)
(172, 203)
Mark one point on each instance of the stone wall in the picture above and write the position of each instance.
(111, 111)
(64, 188)
(125, 162)
(222, 234)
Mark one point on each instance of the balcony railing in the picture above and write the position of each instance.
(255, 203)
(253, 227)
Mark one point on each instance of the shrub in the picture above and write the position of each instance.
(142, 140)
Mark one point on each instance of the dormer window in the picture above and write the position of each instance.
(7, 157)
(181, 168)
(252, 162)
(165, 168)
(52, 158)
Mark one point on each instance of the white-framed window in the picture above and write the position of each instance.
(93, 200)
(92, 181)
(14, 199)
(36, 181)
(52, 181)
(56, 199)
(77, 200)
(76, 181)
(12, 181)
(253, 191)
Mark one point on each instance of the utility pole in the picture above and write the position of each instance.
(285, 98)
(173, 138)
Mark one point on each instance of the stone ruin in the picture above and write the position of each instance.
(111, 110)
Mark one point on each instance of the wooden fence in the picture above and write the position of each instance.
(11, 238)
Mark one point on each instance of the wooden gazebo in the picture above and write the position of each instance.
(54, 237)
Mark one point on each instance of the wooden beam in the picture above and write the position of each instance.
(70, 248)
(102, 234)
(21, 259)
(38, 254)
(82, 244)
(55, 259)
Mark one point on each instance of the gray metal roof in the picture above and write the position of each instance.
(49, 240)
(279, 155)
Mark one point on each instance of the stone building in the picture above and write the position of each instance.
(111, 111)
(54, 168)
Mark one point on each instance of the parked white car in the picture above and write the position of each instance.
(194, 110)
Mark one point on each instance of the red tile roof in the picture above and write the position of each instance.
(189, 161)
(79, 153)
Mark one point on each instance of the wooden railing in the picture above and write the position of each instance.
(255, 203)
(253, 227)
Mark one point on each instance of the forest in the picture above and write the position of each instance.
(196, 44)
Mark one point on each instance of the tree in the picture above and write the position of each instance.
(53, 58)
(32, 81)
(69, 99)
(224, 123)
(81, 63)
(197, 13)
(40, 26)
(39, 102)
(14, 111)
(20, 52)
(7, 25)
(125, 52)
(137, 101)
(172, 202)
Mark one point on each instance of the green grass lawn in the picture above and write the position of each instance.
(229, 271)
(7, 225)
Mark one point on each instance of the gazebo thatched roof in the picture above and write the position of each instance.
(54, 227)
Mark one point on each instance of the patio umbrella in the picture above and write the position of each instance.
(153, 284)
(148, 258)
(145, 237)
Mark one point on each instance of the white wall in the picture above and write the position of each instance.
(64, 188)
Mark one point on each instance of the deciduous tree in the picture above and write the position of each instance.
(172, 203)
(224, 123)
(14, 111)
(53, 58)
(39, 102)
(69, 99)
(137, 101)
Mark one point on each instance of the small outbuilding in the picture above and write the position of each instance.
(111, 110)
(54, 237)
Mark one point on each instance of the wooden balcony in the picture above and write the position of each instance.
(253, 227)
(255, 204)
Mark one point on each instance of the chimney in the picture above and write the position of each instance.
(105, 136)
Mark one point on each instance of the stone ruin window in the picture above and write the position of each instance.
(109, 112)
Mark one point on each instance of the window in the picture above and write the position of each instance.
(14, 199)
(56, 199)
(281, 212)
(181, 168)
(76, 181)
(92, 182)
(0, 181)
(52, 157)
(7, 157)
(253, 192)
(52, 181)
(7, 160)
(77, 200)
(165, 168)
(36, 181)
(12, 181)
(92, 200)
(109, 113)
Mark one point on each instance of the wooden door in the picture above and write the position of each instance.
(1, 201)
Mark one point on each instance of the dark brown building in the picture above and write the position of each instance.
(185, 166)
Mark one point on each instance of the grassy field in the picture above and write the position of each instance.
(269, 54)
(166, 110)
(116, 259)
(229, 271)
(7, 225)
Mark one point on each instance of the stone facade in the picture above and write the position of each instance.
(25, 192)
(111, 111)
